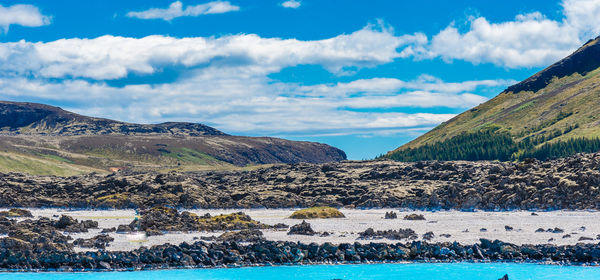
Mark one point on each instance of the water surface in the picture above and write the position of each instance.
(462, 271)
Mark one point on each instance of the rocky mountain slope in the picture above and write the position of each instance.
(41, 139)
(568, 183)
(559, 103)
(39, 119)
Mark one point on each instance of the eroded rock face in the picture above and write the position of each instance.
(569, 183)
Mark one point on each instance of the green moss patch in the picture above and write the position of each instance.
(321, 212)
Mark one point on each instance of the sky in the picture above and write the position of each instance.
(364, 76)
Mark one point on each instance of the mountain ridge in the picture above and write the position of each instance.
(559, 104)
(47, 140)
(35, 118)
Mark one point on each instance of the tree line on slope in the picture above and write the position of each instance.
(492, 145)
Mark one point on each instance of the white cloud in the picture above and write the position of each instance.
(176, 10)
(249, 104)
(25, 15)
(224, 81)
(111, 57)
(293, 4)
(531, 40)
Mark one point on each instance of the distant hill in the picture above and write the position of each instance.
(40, 119)
(42, 139)
(554, 113)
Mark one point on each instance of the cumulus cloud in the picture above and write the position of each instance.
(293, 4)
(25, 15)
(249, 104)
(176, 10)
(112, 57)
(223, 81)
(530, 40)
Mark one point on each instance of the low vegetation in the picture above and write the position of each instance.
(164, 219)
(414, 217)
(321, 212)
(552, 114)
(16, 213)
(492, 145)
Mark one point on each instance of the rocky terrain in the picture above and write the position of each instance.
(569, 183)
(163, 219)
(70, 242)
(22, 256)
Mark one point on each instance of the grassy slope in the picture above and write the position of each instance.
(48, 158)
(14, 162)
(529, 113)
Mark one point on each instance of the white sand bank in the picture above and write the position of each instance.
(464, 227)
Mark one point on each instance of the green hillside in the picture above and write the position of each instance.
(554, 113)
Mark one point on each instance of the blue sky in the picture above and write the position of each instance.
(363, 76)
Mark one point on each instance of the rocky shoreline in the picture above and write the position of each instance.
(233, 254)
(568, 183)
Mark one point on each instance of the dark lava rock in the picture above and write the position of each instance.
(584, 238)
(17, 254)
(483, 229)
(153, 232)
(280, 226)
(445, 235)
(391, 215)
(540, 230)
(170, 220)
(428, 236)
(389, 234)
(98, 241)
(245, 235)
(555, 230)
(414, 217)
(484, 185)
(123, 229)
(508, 228)
(505, 277)
(107, 230)
(303, 228)
(69, 224)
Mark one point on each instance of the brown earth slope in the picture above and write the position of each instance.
(46, 140)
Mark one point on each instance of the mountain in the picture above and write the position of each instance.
(40, 119)
(42, 139)
(554, 113)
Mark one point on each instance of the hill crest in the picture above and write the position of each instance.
(558, 105)
(39, 119)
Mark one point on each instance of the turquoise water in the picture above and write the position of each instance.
(455, 271)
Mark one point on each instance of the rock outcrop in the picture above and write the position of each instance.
(569, 183)
(158, 219)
